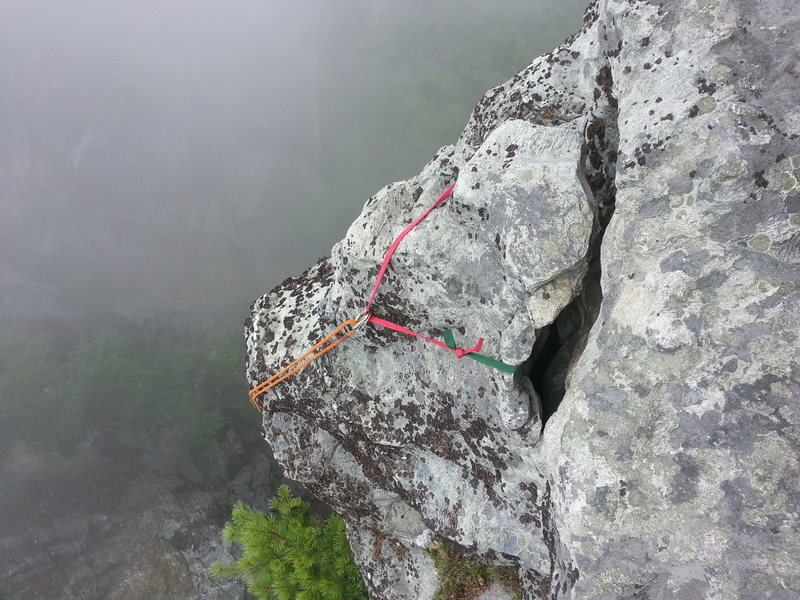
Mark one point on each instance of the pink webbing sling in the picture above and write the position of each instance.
(449, 340)
(348, 328)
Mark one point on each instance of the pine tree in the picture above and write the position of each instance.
(290, 555)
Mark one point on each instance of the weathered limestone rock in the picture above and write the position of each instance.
(666, 337)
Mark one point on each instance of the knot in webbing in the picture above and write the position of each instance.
(460, 352)
(350, 327)
(450, 342)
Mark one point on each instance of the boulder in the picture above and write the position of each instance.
(625, 228)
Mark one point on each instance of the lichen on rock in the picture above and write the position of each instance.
(659, 344)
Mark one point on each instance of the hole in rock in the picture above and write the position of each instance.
(559, 345)
(552, 356)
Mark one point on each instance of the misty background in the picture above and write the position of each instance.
(163, 164)
(186, 156)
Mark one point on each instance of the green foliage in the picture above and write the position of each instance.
(223, 380)
(50, 399)
(105, 376)
(465, 579)
(290, 555)
(32, 401)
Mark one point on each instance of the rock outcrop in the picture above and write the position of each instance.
(126, 518)
(625, 227)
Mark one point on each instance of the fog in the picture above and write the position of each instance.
(163, 163)
(152, 152)
(185, 156)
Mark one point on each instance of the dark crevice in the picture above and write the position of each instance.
(559, 345)
(550, 391)
(552, 356)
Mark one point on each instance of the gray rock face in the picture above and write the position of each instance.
(658, 347)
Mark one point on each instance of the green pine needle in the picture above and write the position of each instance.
(290, 555)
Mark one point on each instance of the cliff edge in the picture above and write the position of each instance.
(625, 227)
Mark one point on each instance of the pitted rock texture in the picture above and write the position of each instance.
(670, 467)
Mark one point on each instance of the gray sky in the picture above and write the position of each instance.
(187, 155)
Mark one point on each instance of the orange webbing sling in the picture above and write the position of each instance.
(320, 348)
(326, 344)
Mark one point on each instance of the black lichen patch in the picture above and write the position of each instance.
(605, 82)
(706, 88)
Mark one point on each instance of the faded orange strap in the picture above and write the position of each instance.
(325, 344)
